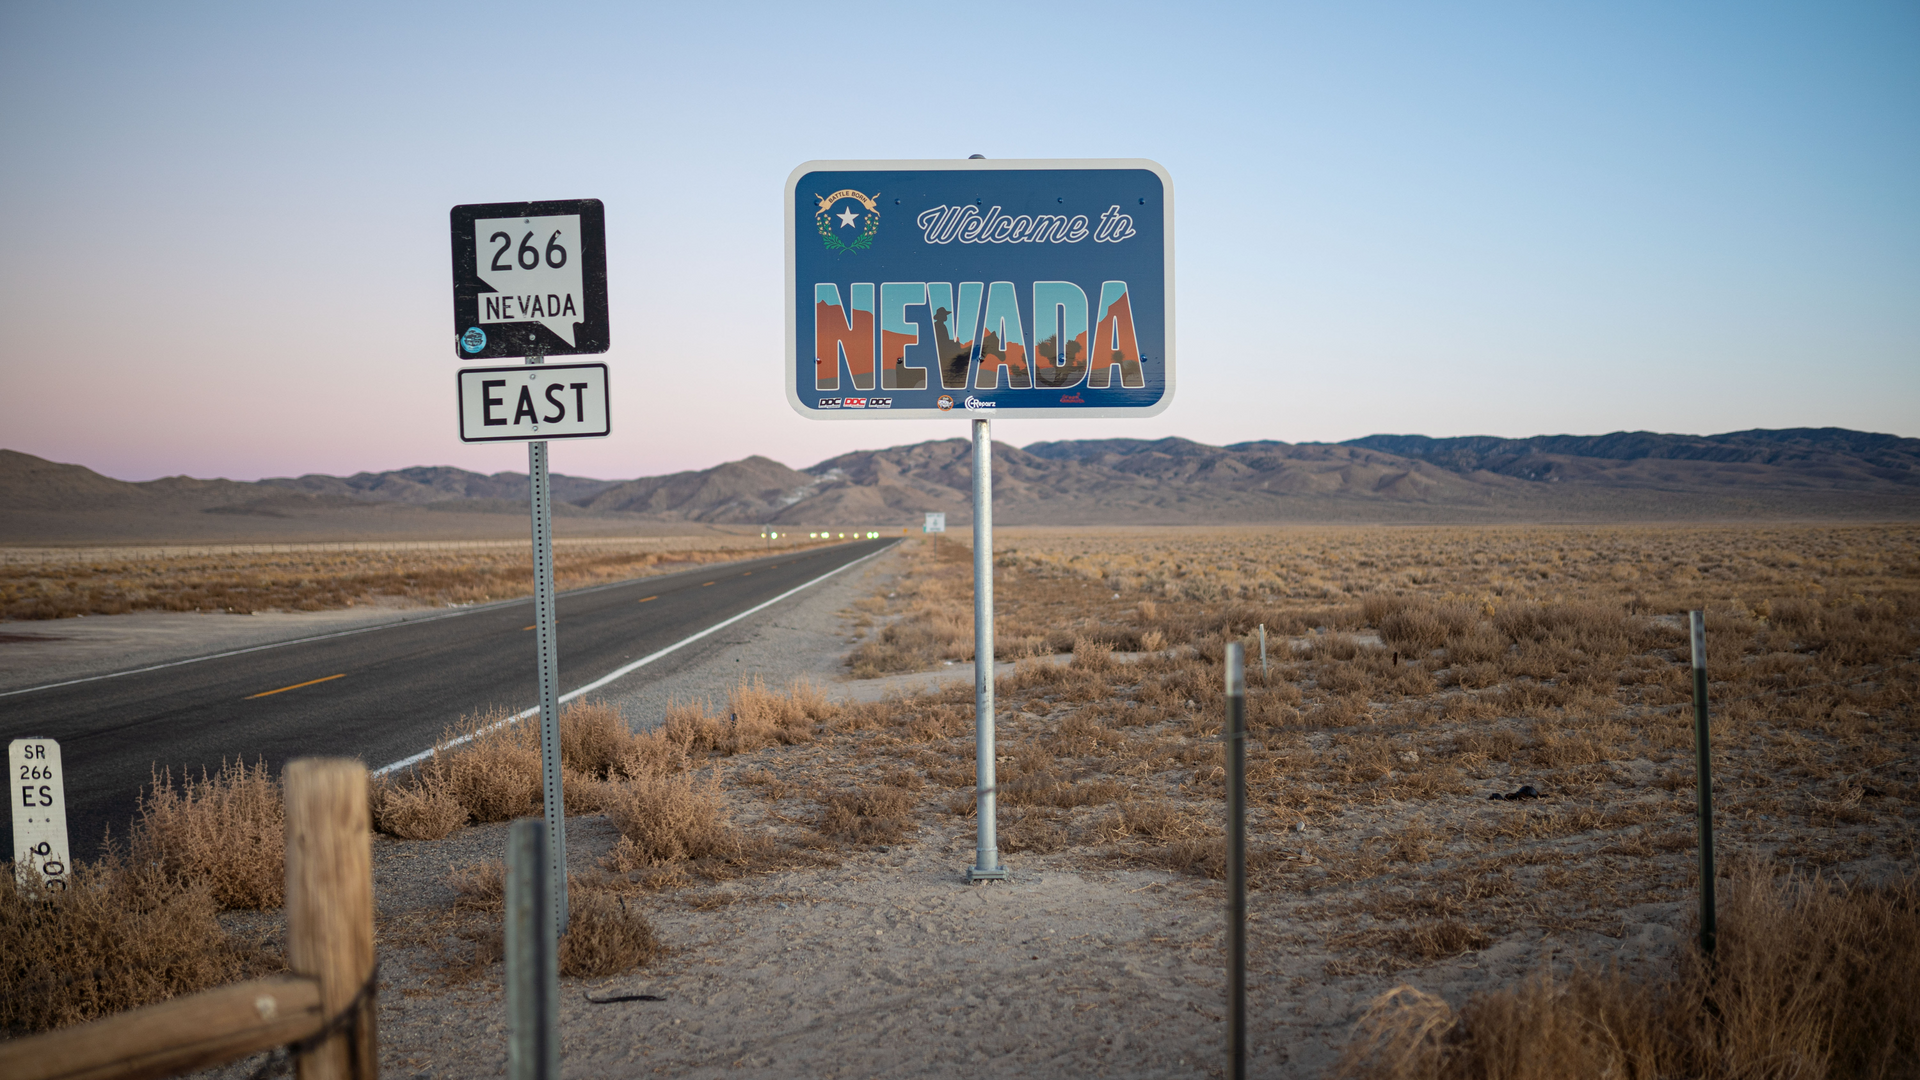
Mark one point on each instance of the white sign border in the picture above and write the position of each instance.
(459, 411)
(972, 165)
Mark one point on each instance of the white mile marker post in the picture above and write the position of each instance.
(39, 798)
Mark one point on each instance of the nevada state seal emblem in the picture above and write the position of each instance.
(847, 220)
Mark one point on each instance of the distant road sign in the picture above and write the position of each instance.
(936, 523)
(533, 402)
(529, 279)
(39, 798)
(979, 288)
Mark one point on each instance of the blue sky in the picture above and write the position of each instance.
(226, 242)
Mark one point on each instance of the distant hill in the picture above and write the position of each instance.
(754, 490)
(1817, 458)
(425, 484)
(1625, 476)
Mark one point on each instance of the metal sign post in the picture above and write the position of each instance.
(1235, 736)
(943, 289)
(533, 960)
(530, 279)
(1703, 763)
(547, 650)
(986, 863)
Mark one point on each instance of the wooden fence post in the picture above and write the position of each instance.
(330, 908)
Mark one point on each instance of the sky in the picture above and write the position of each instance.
(225, 226)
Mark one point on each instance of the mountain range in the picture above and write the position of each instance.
(1781, 474)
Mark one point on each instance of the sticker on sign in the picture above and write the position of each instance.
(529, 279)
(533, 402)
(39, 799)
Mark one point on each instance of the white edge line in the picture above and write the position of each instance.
(621, 672)
(465, 609)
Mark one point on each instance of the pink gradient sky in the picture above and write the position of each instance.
(225, 225)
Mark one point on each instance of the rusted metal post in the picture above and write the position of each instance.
(330, 909)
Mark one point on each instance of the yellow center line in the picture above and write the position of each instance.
(295, 686)
(644, 599)
(747, 574)
(524, 629)
(704, 584)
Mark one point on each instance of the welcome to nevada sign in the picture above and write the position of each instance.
(941, 288)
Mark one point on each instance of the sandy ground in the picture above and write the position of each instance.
(889, 965)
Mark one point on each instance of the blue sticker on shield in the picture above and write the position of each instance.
(474, 339)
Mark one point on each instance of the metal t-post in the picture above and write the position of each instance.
(533, 961)
(1703, 758)
(1235, 737)
(986, 865)
(548, 651)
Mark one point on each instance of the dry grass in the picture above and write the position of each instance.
(317, 580)
(424, 810)
(118, 937)
(1411, 673)
(226, 830)
(755, 718)
(140, 925)
(668, 813)
(669, 819)
(606, 935)
(487, 768)
(932, 615)
(1811, 979)
(881, 814)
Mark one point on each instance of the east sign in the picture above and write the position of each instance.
(971, 288)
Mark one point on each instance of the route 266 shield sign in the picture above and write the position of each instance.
(981, 288)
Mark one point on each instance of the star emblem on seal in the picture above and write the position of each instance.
(844, 210)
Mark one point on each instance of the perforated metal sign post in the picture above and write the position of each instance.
(979, 289)
(530, 280)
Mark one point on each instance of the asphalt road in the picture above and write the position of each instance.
(380, 694)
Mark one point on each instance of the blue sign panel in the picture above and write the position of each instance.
(957, 288)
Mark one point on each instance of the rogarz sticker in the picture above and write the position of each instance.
(530, 279)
